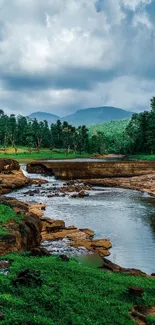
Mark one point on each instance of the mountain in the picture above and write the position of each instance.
(87, 116)
(41, 116)
(97, 115)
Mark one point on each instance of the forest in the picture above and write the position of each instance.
(128, 136)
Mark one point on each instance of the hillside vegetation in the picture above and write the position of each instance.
(110, 129)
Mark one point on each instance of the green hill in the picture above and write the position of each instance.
(111, 128)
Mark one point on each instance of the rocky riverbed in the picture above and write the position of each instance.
(38, 231)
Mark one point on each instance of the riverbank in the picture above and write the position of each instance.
(24, 155)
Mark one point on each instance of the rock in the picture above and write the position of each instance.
(32, 193)
(104, 243)
(9, 239)
(135, 291)
(80, 194)
(40, 251)
(153, 274)
(28, 277)
(110, 266)
(4, 264)
(30, 230)
(91, 170)
(7, 165)
(64, 258)
(52, 226)
(88, 232)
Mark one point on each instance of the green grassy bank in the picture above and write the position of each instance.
(7, 214)
(24, 155)
(70, 294)
(143, 157)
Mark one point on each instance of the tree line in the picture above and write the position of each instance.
(136, 135)
(22, 131)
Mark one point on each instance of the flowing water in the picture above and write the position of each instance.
(126, 217)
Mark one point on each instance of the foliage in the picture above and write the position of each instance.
(128, 136)
(108, 137)
(7, 214)
(70, 294)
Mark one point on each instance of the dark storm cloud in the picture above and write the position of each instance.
(63, 55)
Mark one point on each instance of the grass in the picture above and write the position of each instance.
(7, 214)
(143, 157)
(70, 294)
(24, 155)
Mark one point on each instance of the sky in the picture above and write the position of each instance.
(58, 56)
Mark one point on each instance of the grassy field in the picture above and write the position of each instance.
(7, 214)
(24, 155)
(70, 294)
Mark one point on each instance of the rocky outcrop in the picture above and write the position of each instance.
(145, 183)
(55, 230)
(8, 165)
(11, 177)
(71, 170)
(112, 267)
(25, 234)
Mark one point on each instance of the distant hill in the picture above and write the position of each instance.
(41, 116)
(97, 115)
(87, 116)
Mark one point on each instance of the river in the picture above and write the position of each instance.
(126, 217)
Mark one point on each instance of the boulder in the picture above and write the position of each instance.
(112, 267)
(135, 291)
(7, 165)
(88, 232)
(50, 225)
(81, 194)
(40, 251)
(101, 243)
(64, 258)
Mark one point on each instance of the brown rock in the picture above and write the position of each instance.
(40, 251)
(52, 225)
(110, 266)
(64, 258)
(104, 243)
(88, 232)
(135, 291)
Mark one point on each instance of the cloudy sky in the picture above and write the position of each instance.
(61, 55)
